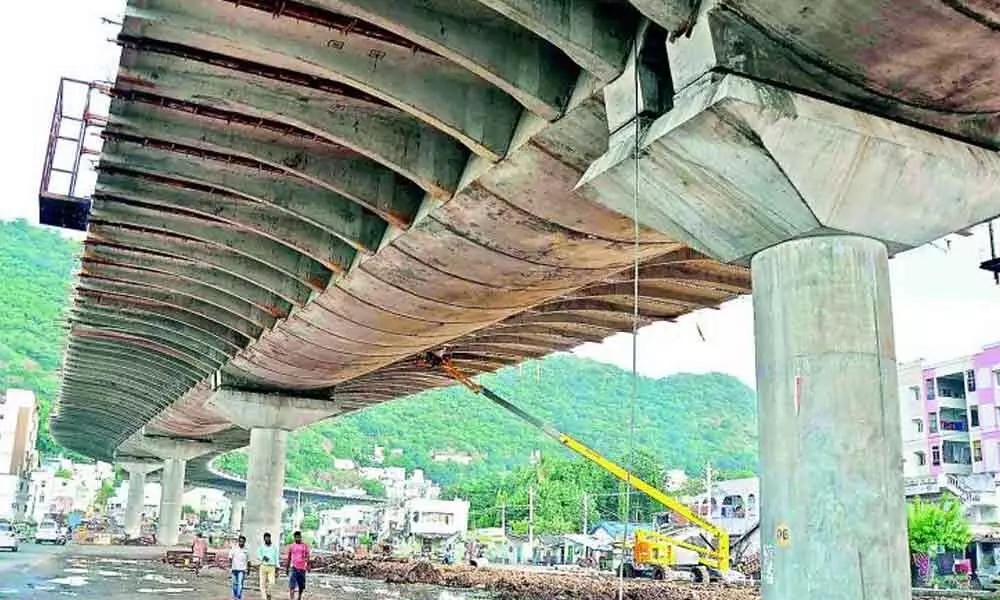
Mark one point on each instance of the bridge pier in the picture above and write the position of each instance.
(237, 504)
(174, 453)
(270, 418)
(833, 512)
(135, 502)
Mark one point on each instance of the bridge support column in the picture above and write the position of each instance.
(832, 505)
(175, 453)
(269, 418)
(237, 503)
(136, 500)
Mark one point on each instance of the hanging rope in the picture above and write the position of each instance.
(627, 504)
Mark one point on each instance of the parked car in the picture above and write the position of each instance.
(49, 532)
(8, 537)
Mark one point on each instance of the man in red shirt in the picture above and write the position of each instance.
(298, 564)
(198, 551)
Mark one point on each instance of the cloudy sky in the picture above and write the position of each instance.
(944, 305)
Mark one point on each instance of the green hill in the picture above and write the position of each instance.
(684, 421)
(36, 266)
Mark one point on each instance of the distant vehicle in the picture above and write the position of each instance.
(49, 532)
(8, 537)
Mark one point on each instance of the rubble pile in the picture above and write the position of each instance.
(519, 585)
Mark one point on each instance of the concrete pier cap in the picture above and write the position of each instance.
(249, 409)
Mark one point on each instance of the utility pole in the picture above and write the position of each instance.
(708, 487)
(531, 521)
(586, 510)
(503, 517)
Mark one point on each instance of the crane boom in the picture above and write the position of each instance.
(717, 557)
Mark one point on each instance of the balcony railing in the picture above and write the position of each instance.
(954, 426)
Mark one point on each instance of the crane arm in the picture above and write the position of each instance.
(720, 553)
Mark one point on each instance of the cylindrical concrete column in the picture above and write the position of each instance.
(236, 506)
(833, 520)
(135, 502)
(265, 482)
(171, 498)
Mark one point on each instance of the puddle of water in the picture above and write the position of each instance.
(110, 574)
(118, 561)
(164, 590)
(71, 581)
(76, 571)
(8, 592)
(161, 579)
(350, 589)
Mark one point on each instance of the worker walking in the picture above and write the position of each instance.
(198, 551)
(298, 564)
(238, 564)
(267, 556)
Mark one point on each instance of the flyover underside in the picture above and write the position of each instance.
(304, 195)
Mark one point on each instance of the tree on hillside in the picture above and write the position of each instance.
(103, 495)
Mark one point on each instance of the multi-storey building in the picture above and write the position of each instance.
(18, 433)
(950, 423)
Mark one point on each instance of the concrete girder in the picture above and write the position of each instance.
(614, 322)
(546, 339)
(240, 214)
(235, 305)
(358, 178)
(528, 68)
(469, 109)
(132, 363)
(422, 154)
(204, 254)
(341, 217)
(645, 308)
(93, 373)
(193, 271)
(103, 348)
(579, 334)
(178, 341)
(248, 243)
(122, 338)
(167, 313)
(594, 34)
(193, 333)
(648, 289)
(144, 295)
(138, 401)
(730, 279)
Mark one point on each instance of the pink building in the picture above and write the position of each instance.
(951, 427)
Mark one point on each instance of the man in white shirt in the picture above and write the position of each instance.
(239, 561)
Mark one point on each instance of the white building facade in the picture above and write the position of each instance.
(18, 457)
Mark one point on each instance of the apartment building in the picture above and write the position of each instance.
(950, 422)
(18, 433)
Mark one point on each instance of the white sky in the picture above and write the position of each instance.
(944, 305)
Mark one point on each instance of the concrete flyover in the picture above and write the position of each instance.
(296, 197)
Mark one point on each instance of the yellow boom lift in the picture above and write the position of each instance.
(650, 548)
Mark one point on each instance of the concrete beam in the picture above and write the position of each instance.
(178, 342)
(164, 314)
(277, 256)
(676, 16)
(128, 340)
(141, 295)
(93, 348)
(204, 254)
(358, 178)
(422, 154)
(200, 336)
(191, 271)
(158, 377)
(469, 109)
(260, 218)
(593, 34)
(353, 224)
(235, 305)
(528, 68)
(162, 341)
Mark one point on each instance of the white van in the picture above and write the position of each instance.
(8, 537)
(49, 532)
